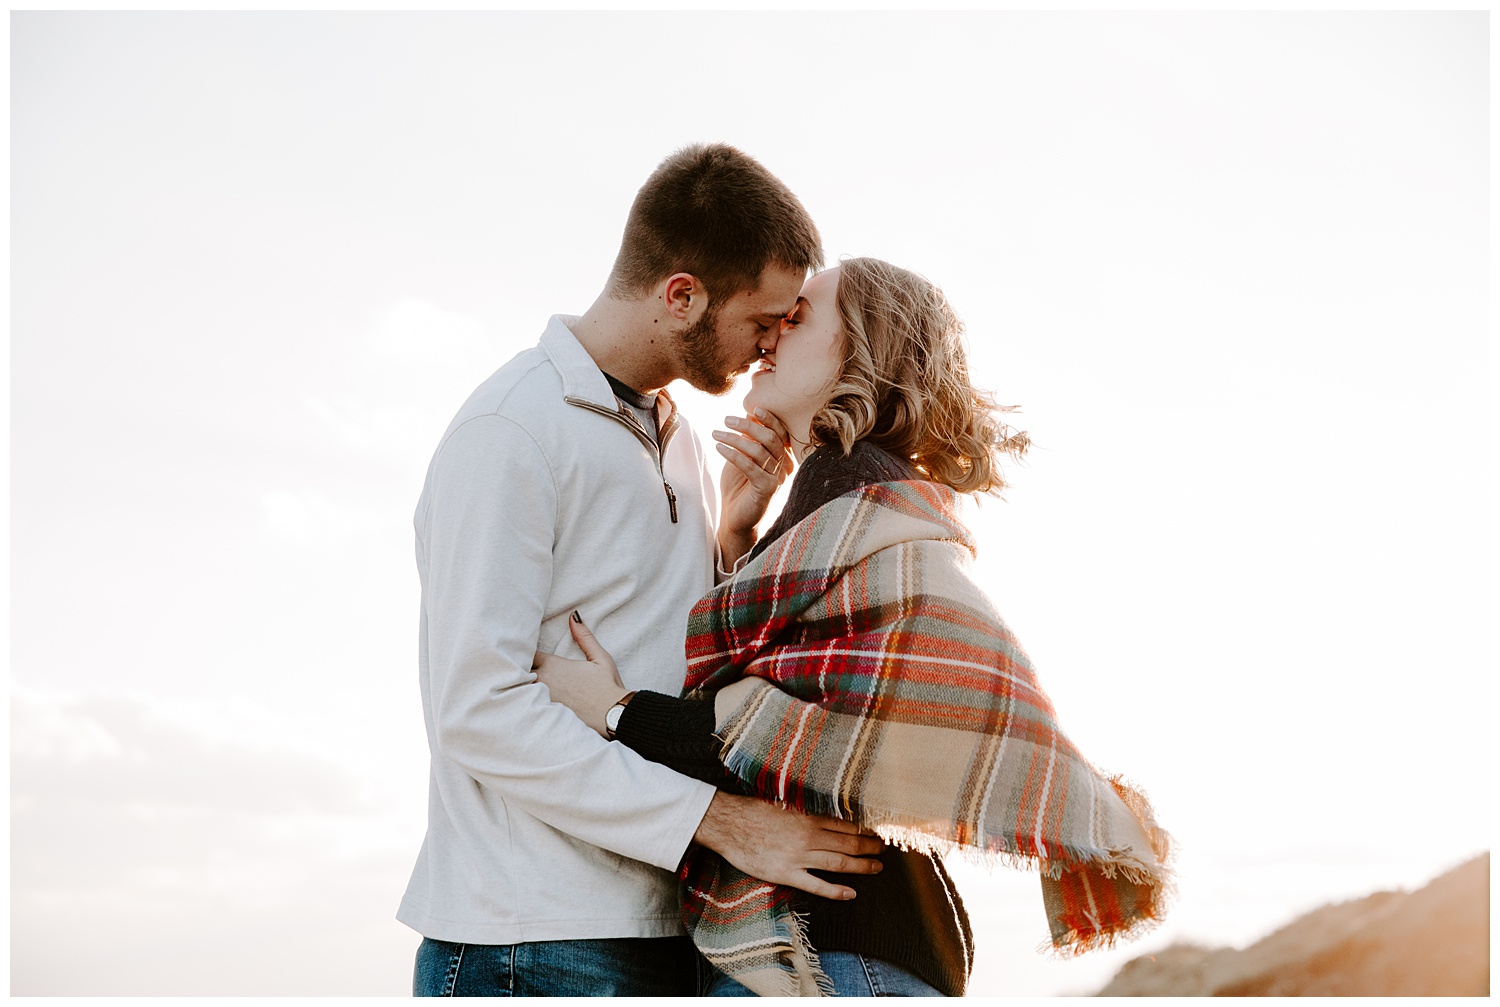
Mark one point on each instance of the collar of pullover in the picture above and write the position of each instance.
(581, 377)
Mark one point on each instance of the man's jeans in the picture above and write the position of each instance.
(620, 966)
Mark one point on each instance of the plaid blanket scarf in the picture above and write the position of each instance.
(867, 677)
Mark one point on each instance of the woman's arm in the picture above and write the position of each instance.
(765, 842)
(757, 460)
(678, 733)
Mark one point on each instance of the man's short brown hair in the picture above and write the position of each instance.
(715, 212)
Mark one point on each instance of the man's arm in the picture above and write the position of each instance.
(760, 839)
(487, 536)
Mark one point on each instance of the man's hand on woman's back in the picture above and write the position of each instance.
(781, 846)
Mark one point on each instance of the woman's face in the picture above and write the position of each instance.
(794, 380)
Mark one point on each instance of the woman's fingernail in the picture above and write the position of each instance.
(576, 617)
(732, 421)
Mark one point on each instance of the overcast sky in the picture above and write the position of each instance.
(1233, 268)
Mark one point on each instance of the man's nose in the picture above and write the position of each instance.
(768, 340)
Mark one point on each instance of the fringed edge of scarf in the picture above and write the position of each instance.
(794, 961)
(992, 853)
(989, 851)
(802, 947)
(1076, 943)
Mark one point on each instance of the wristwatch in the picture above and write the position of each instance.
(612, 715)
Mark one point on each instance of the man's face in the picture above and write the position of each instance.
(731, 334)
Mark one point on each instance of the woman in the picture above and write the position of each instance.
(851, 669)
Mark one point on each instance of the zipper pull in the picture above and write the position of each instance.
(671, 500)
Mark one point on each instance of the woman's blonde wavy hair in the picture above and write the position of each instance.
(905, 382)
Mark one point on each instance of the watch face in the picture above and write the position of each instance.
(612, 718)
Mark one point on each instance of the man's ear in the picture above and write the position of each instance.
(684, 297)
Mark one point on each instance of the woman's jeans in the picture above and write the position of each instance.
(622, 966)
(852, 975)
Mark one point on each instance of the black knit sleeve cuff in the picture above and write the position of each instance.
(678, 733)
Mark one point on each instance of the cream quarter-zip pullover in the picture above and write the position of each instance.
(543, 498)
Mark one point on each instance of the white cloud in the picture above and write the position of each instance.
(139, 756)
(169, 834)
(402, 379)
(309, 518)
(416, 333)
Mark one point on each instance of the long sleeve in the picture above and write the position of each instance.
(488, 537)
(678, 733)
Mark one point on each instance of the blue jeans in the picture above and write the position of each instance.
(620, 966)
(853, 975)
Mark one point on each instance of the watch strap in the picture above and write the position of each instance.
(612, 718)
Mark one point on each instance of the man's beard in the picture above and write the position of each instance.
(703, 363)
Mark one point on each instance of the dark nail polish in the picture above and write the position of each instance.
(576, 616)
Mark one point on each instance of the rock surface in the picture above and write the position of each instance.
(1431, 942)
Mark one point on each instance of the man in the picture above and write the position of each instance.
(565, 485)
